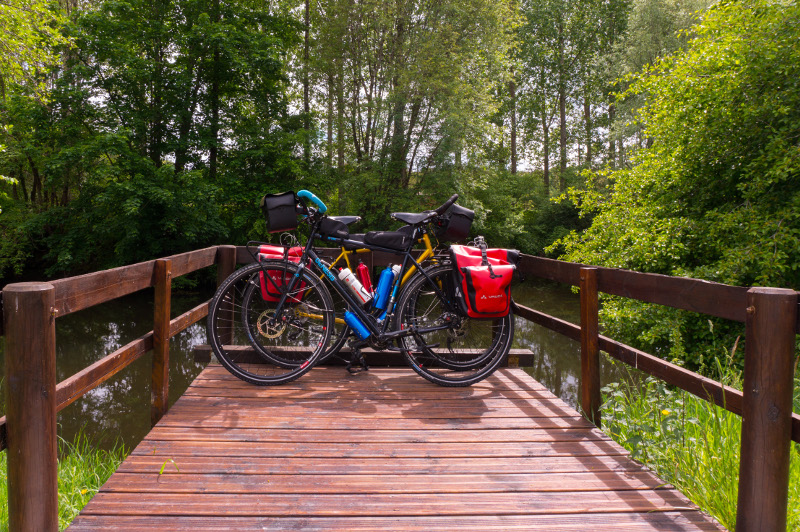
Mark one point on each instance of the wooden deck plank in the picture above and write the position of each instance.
(171, 482)
(624, 522)
(171, 449)
(371, 466)
(433, 435)
(373, 504)
(384, 450)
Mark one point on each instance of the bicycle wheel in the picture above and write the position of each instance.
(462, 354)
(339, 332)
(251, 343)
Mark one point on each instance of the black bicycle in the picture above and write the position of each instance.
(269, 323)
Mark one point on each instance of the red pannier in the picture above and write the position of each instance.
(483, 283)
(268, 290)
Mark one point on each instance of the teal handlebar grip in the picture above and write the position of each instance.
(309, 196)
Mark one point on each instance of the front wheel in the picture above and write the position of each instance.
(254, 341)
(464, 350)
(280, 276)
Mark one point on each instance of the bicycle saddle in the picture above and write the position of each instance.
(413, 218)
(346, 220)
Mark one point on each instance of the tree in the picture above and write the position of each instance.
(164, 126)
(29, 40)
(716, 195)
(411, 80)
(557, 43)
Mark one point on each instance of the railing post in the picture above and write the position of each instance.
(29, 316)
(767, 410)
(226, 265)
(159, 382)
(590, 350)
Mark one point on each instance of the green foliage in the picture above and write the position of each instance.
(717, 195)
(165, 125)
(82, 470)
(29, 30)
(516, 210)
(688, 442)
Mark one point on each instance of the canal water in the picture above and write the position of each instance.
(119, 409)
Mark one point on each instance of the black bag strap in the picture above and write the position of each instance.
(481, 243)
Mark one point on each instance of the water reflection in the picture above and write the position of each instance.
(120, 407)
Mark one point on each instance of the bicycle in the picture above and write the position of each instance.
(341, 330)
(277, 339)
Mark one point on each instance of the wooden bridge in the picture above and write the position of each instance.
(386, 449)
(381, 450)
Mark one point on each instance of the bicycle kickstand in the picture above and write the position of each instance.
(356, 358)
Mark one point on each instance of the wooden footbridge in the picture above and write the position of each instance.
(386, 449)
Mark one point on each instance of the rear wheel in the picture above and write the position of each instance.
(466, 351)
(259, 345)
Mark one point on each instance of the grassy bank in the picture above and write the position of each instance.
(689, 443)
(82, 469)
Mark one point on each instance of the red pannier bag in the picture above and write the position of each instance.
(268, 290)
(483, 286)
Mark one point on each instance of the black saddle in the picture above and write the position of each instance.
(346, 220)
(412, 218)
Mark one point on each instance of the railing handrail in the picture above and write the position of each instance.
(739, 304)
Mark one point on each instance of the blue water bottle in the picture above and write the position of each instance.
(384, 288)
(355, 324)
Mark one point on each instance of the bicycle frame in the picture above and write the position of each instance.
(369, 321)
(427, 253)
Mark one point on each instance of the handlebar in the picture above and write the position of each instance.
(309, 196)
(446, 205)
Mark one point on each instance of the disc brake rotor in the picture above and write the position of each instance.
(267, 327)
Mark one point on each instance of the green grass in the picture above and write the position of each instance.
(82, 469)
(689, 443)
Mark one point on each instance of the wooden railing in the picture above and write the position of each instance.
(771, 320)
(28, 431)
(770, 315)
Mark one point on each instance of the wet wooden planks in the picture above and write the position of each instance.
(383, 450)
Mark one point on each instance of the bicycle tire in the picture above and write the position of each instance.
(339, 333)
(461, 355)
(262, 351)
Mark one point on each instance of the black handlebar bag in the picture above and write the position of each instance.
(482, 281)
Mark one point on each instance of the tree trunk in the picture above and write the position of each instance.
(306, 66)
(612, 111)
(215, 73)
(512, 92)
(23, 186)
(354, 124)
(36, 190)
(156, 145)
(546, 145)
(330, 96)
(587, 118)
(340, 122)
(562, 112)
(562, 143)
(397, 159)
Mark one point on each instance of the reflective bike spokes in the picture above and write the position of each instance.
(257, 341)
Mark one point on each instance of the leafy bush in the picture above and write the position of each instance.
(689, 442)
(717, 194)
